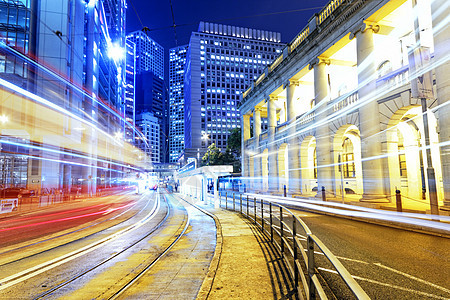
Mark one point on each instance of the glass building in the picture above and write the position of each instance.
(81, 44)
(130, 81)
(150, 92)
(177, 62)
(222, 61)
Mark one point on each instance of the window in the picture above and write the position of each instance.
(348, 167)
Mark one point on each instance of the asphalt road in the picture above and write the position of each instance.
(388, 263)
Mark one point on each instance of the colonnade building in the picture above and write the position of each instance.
(345, 102)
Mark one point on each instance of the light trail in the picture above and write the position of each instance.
(67, 153)
(72, 85)
(48, 265)
(107, 211)
(420, 220)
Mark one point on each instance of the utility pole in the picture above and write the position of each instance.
(422, 87)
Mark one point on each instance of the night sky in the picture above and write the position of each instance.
(156, 15)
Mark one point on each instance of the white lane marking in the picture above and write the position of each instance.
(36, 270)
(389, 285)
(413, 277)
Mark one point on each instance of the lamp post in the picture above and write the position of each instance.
(205, 138)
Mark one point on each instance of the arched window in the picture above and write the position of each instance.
(348, 159)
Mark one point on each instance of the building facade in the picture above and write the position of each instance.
(177, 62)
(345, 105)
(221, 62)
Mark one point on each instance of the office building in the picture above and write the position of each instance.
(221, 63)
(151, 93)
(83, 42)
(177, 62)
(130, 82)
(150, 127)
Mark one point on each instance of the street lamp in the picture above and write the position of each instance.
(3, 119)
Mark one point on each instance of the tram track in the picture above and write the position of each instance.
(26, 252)
(101, 270)
(72, 279)
(141, 273)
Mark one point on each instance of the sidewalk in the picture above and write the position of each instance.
(244, 265)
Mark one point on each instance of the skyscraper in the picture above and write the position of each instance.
(150, 88)
(130, 81)
(221, 63)
(149, 54)
(83, 41)
(177, 62)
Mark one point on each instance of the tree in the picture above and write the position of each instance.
(234, 142)
(234, 149)
(213, 156)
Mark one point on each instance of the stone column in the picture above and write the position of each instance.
(257, 159)
(293, 145)
(273, 173)
(440, 10)
(374, 184)
(325, 172)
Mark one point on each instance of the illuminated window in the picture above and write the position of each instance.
(402, 160)
(348, 167)
(315, 164)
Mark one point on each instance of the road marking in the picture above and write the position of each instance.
(388, 285)
(36, 270)
(413, 277)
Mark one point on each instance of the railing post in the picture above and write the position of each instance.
(234, 208)
(311, 268)
(398, 200)
(248, 214)
(240, 203)
(295, 247)
(254, 208)
(281, 232)
(226, 200)
(262, 215)
(324, 197)
(271, 222)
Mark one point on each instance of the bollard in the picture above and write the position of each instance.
(324, 197)
(398, 198)
(284, 190)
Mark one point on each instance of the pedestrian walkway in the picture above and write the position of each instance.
(244, 265)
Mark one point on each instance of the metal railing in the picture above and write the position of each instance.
(298, 251)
